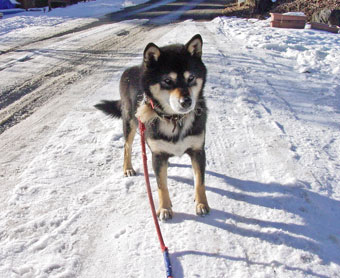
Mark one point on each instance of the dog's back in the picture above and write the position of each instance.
(130, 91)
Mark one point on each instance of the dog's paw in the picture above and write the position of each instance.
(164, 214)
(202, 209)
(129, 172)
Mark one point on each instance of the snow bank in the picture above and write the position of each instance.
(314, 51)
(295, 13)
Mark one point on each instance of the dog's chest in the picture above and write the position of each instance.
(177, 148)
(183, 141)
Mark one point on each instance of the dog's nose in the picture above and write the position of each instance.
(185, 102)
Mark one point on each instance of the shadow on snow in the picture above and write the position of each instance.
(319, 214)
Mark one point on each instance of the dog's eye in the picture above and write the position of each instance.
(167, 81)
(191, 79)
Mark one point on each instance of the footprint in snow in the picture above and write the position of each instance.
(121, 232)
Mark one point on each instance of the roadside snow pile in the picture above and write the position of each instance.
(314, 51)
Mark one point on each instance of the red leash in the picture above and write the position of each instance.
(152, 205)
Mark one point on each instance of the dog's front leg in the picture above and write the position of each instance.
(198, 165)
(160, 168)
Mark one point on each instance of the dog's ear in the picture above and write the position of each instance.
(151, 54)
(194, 46)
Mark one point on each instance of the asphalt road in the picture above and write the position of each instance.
(171, 11)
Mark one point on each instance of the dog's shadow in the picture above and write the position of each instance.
(319, 233)
(178, 269)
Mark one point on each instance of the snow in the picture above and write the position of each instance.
(295, 13)
(273, 159)
(31, 25)
(92, 8)
(313, 50)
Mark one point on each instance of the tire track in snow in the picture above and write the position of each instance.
(247, 108)
(297, 123)
(68, 61)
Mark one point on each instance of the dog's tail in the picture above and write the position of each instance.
(111, 108)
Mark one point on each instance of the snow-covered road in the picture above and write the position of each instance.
(273, 159)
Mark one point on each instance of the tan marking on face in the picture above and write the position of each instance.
(195, 90)
(186, 75)
(173, 76)
(155, 89)
(177, 93)
(162, 96)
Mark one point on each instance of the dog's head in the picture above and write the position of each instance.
(174, 76)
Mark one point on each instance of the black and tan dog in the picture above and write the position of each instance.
(166, 94)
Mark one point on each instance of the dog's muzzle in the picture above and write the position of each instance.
(185, 102)
(181, 103)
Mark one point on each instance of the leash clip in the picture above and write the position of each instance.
(147, 100)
